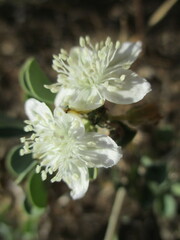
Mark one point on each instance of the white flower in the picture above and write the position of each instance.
(63, 148)
(91, 74)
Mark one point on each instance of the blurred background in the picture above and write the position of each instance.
(150, 168)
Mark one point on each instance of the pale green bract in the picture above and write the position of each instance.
(63, 149)
(91, 74)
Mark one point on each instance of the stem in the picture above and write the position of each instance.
(115, 213)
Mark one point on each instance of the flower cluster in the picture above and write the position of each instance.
(87, 76)
(63, 148)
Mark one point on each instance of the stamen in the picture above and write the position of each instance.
(82, 42)
(43, 175)
(38, 169)
(122, 77)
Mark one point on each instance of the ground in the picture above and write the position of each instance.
(40, 29)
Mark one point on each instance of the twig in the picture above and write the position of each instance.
(115, 213)
(161, 12)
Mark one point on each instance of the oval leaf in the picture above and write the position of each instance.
(36, 79)
(165, 206)
(23, 79)
(170, 206)
(27, 206)
(37, 191)
(19, 165)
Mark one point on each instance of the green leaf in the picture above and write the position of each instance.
(154, 187)
(36, 79)
(146, 161)
(27, 206)
(18, 165)
(10, 127)
(170, 206)
(175, 189)
(32, 80)
(23, 79)
(115, 237)
(92, 173)
(37, 192)
(165, 206)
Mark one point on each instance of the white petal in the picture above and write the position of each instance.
(59, 112)
(74, 54)
(76, 127)
(70, 123)
(99, 150)
(78, 180)
(34, 108)
(86, 99)
(126, 54)
(63, 97)
(80, 99)
(132, 89)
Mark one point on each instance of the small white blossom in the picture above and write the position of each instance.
(91, 74)
(63, 149)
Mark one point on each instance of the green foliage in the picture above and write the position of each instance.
(175, 189)
(32, 80)
(37, 192)
(10, 127)
(165, 206)
(92, 173)
(146, 161)
(27, 206)
(5, 231)
(149, 183)
(23, 78)
(18, 165)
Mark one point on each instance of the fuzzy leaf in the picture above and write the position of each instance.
(23, 79)
(37, 191)
(18, 165)
(36, 79)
